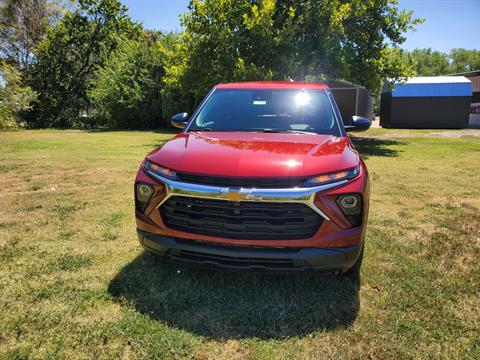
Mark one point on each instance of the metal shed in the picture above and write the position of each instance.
(474, 77)
(351, 99)
(430, 102)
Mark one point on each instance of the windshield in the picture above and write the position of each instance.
(267, 111)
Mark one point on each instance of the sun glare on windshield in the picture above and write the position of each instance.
(302, 99)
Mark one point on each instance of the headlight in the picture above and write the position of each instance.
(162, 171)
(333, 177)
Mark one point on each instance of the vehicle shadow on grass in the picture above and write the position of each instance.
(223, 305)
(377, 147)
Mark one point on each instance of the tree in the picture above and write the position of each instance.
(351, 40)
(69, 56)
(224, 41)
(126, 90)
(427, 62)
(463, 60)
(14, 97)
(287, 39)
(370, 30)
(23, 24)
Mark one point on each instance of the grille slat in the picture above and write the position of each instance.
(241, 220)
(207, 213)
(245, 182)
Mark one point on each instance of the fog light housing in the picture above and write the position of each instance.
(143, 193)
(351, 206)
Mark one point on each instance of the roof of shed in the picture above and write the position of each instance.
(437, 80)
(433, 86)
(342, 84)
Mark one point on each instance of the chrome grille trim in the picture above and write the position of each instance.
(297, 195)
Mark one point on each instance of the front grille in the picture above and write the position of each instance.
(265, 183)
(241, 220)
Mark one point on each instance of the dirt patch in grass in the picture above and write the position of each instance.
(382, 133)
(460, 133)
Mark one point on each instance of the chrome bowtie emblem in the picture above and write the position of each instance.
(238, 194)
(234, 196)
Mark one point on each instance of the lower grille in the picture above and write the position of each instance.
(241, 220)
(230, 262)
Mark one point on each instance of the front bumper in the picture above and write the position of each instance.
(249, 258)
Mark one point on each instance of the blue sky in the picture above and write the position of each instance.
(448, 23)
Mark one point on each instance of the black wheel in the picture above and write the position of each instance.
(354, 271)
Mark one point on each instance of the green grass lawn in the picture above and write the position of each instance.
(74, 282)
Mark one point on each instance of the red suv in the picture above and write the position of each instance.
(262, 178)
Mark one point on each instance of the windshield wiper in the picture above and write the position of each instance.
(288, 131)
(200, 129)
(301, 132)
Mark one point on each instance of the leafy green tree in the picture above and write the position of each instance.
(427, 62)
(224, 41)
(69, 56)
(351, 40)
(227, 40)
(126, 90)
(23, 24)
(373, 29)
(430, 63)
(14, 97)
(463, 60)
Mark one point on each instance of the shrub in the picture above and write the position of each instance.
(68, 57)
(14, 97)
(126, 91)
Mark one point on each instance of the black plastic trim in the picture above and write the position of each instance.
(245, 258)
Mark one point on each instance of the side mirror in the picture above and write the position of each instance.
(180, 120)
(359, 123)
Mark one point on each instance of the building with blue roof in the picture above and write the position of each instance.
(430, 102)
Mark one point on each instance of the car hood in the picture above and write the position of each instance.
(252, 154)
